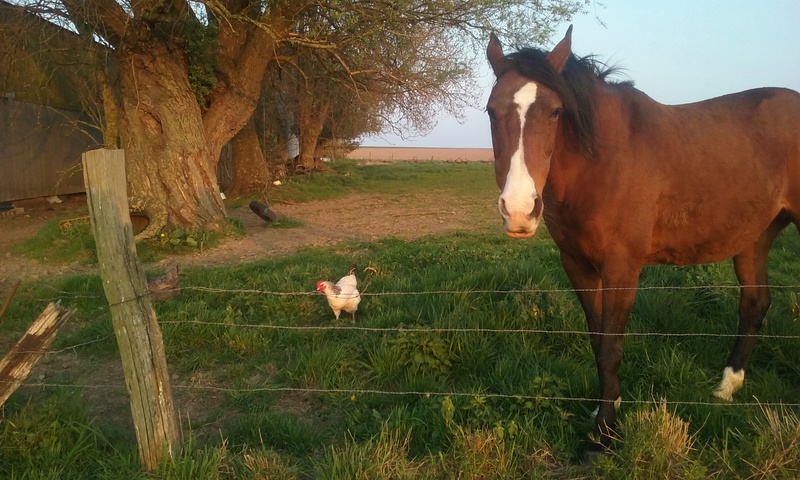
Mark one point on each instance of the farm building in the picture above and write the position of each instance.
(44, 118)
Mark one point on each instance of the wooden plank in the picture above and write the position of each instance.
(19, 361)
(135, 325)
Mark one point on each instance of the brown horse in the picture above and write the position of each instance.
(623, 181)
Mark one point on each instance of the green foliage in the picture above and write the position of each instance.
(421, 353)
(183, 241)
(200, 44)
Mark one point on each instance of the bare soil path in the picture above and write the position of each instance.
(356, 216)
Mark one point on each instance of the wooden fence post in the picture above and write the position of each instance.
(137, 331)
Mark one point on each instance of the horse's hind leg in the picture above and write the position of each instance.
(754, 301)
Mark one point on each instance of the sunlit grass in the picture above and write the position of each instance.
(415, 399)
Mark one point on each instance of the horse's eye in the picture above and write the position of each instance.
(556, 113)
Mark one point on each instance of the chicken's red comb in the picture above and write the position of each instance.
(320, 284)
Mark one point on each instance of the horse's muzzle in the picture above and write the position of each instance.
(521, 224)
(518, 234)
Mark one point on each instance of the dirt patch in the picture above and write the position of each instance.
(357, 216)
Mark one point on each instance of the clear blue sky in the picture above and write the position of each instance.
(675, 51)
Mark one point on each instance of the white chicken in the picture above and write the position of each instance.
(343, 295)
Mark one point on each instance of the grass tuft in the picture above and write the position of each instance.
(382, 457)
(267, 464)
(653, 443)
(482, 453)
(774, 451)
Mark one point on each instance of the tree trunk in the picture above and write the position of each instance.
(245, 51)
(310, 121)
(250, 171)
(170, 167)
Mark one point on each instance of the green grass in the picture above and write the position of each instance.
(284, 222)
(348, 176)
(54, 244)
(498, 403)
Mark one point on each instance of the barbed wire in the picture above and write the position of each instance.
(404, 329)
(200, 288)
(491, 291)
(419, 393)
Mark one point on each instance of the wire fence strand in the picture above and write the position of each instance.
(199, 288)
(420, 393)
(463, 330)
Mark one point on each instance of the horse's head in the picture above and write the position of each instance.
(525, 117)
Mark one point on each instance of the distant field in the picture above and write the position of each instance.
(445, 154)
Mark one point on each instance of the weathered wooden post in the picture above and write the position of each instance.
(137, 331)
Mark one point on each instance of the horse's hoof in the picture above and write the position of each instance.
(723, 396)
(731, 382)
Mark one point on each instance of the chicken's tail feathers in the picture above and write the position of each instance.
(352, 270)
(371, 271)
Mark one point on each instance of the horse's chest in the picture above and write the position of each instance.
(580, 232)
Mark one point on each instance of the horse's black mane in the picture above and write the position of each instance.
(575, 85)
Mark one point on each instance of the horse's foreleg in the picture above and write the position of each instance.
(619, 292)
(754, 300)
(586, 282)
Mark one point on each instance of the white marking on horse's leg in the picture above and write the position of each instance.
(617, 404)
(731, 382)
(519, 194)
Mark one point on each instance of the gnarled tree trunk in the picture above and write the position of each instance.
(171, 172)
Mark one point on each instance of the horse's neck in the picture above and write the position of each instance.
(570, 167)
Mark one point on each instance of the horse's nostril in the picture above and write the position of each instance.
(503, 210)
(538, 206)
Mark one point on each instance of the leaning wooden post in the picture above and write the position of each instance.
(137, 331)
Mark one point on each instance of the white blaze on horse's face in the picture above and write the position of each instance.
(520, 202)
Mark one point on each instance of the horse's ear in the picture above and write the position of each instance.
(497, 59)
(560, 54)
